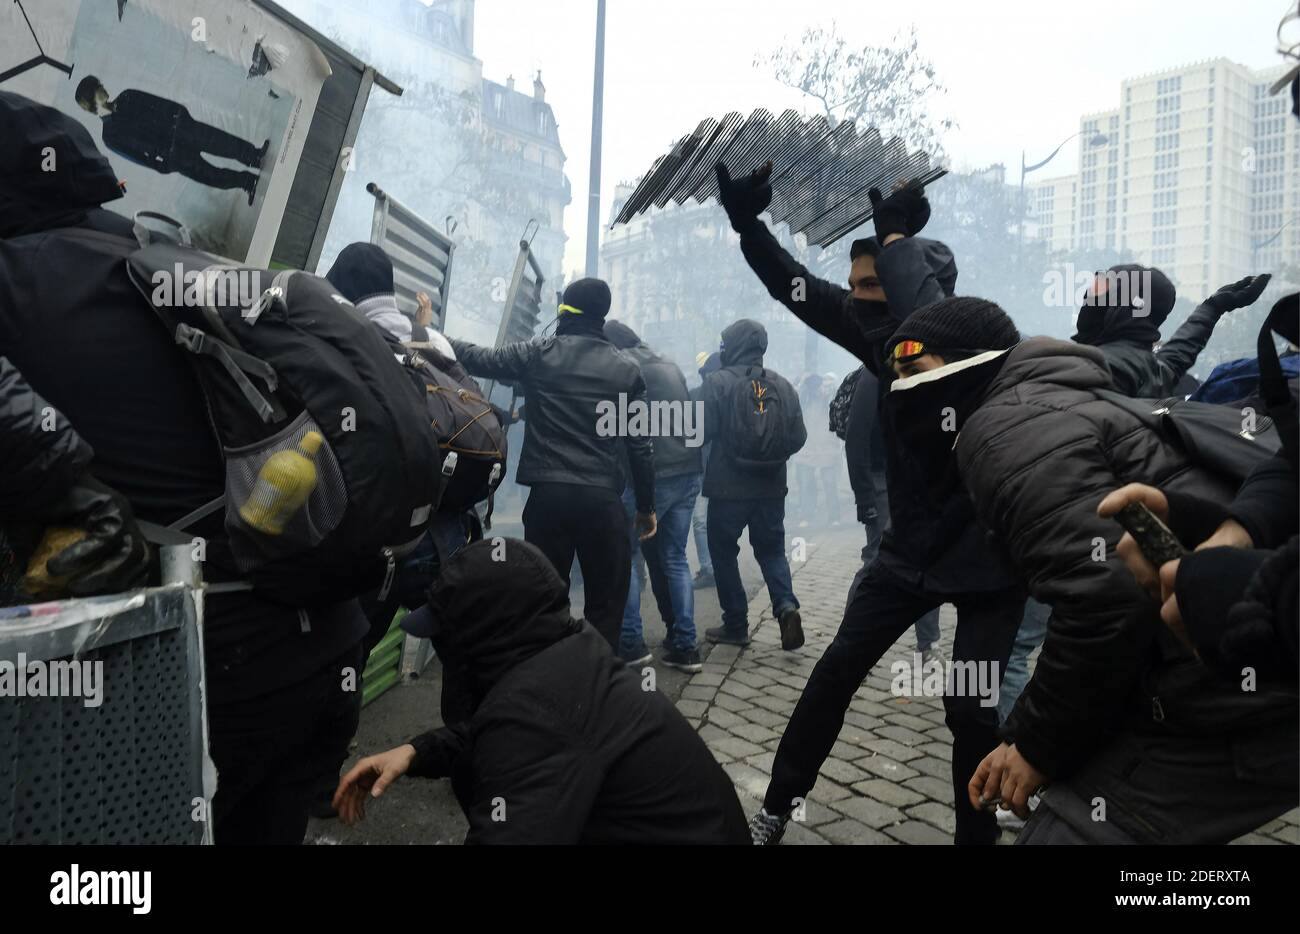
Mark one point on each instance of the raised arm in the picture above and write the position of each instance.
(1177, 354)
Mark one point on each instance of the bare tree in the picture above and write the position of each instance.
(887, 86)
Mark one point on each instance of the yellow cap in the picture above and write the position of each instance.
(700, 357)
(311, 442)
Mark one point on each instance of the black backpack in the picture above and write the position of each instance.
(286, 364)
(1217, 437)
(471, 437)
(763, 420)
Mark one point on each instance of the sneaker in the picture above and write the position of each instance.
(637, 656)
(767, 829)
(688, 660)
(721, 635)
(791, 624)
(702, 579)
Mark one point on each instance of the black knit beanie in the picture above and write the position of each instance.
(590, 297)
(961, 326)
(362, 270)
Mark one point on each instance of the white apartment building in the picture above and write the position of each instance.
(1198, 173)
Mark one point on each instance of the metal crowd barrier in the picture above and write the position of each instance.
(103, 730)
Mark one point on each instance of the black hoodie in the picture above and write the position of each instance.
(1125, 331)
(562, 736)
(87, 342)
(743, 344)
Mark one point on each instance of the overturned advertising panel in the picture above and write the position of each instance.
(202, 109)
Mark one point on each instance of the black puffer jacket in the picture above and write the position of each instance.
(562, 734)
(1038, 453)
(677, 451)
(934, 545)
(743, 344)
(44, 455)
(567, 379)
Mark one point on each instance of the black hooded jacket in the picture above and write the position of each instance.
(1038, 448)
(677, 452)
(567, 378)
(938, 546)
(562, 734)
(86, 341)
(743, 344)
(1125, 336)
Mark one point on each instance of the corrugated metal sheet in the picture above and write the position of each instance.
(821, 172)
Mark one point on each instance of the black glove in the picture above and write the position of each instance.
(1239, 294)
(906, 211)
(113, 556)
(745, 198)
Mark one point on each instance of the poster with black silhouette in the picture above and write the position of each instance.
(201, 106)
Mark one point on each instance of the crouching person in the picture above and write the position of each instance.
(565, 744)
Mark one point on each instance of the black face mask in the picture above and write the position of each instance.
(925, 418)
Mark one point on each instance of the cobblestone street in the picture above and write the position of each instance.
(888, 778)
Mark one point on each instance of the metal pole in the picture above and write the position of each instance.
(597, 113)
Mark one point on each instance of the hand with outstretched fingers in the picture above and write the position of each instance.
(744, 198)
(1239, 294)
(370, 778)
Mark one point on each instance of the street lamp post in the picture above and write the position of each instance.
(1098, 139)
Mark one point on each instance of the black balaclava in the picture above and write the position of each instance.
(1106, 320)
(583, 308)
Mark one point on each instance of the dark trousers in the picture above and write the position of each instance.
(765, 519)
(880, 610)
(564, 520)
(275, 752)
(193, 139)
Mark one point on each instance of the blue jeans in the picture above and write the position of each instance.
(665, 556)
(1032, 632)
(700, 528)
(766, 521)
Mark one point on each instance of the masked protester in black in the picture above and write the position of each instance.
(1121, 316)
(573, 465)
(79, 332)
(935, 550)
(1116, 710)
(562, 744)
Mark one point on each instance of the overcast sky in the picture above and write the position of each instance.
(1019, 72)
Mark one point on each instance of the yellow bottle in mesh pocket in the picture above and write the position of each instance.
(283, 485)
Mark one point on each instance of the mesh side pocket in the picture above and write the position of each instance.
(283, 496)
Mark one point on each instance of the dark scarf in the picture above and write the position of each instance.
(925, 417)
